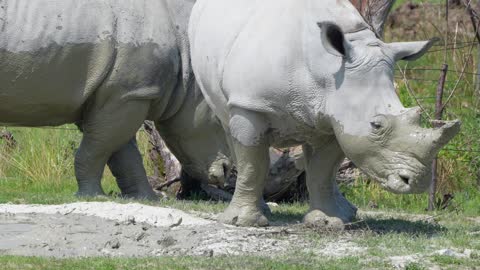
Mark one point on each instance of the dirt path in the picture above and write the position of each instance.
(111, 229)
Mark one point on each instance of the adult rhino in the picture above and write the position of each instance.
(310, 73)
(107, 65)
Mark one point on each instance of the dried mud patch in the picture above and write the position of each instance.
(135, 230)
(108, 229)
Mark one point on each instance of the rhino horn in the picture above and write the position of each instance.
(413, 116)
(443, 132)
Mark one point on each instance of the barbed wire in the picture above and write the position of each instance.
(438, 69)
(450, 48)
(421, 80)
(431, 97)
(453, 44)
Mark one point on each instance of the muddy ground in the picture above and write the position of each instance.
(109, 229)
(135, 230)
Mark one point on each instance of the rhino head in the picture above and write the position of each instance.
(374, 130)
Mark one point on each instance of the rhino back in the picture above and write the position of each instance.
(267, 55)
(56, 53)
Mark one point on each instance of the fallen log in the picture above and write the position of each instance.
(167, 169)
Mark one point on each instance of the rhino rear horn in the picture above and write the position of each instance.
(413, 115)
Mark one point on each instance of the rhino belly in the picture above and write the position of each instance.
(49, 86)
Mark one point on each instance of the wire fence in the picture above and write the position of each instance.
(437, 69)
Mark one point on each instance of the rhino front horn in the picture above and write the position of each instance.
(443, 132)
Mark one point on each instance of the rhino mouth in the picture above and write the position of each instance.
(398, 183)
(404, 183)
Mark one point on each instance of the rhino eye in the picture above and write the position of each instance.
(379, 126)
(376, 125)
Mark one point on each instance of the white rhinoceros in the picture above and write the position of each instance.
(310, 73)
(107, 65)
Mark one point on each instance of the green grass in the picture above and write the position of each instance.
(220, 263)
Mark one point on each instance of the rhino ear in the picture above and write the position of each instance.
(333, 39)
(411, 50)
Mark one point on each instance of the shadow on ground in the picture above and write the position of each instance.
(285, 218)
(395, 225)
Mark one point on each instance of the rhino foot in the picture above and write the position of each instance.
(316, 219)
(246, 216)
(331, 213)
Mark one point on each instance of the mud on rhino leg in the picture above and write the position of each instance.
(245, 209)
(328, 207)
(252, 162)
(126, 164)
(105, 129)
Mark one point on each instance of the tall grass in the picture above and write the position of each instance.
(40, 154)
(40, 166)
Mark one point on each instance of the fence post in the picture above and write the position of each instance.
(438, 116)
(477, 79)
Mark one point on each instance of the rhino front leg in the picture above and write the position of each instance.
(328, 207)
(126, 165)
(245, 209)
(105, 129)
(252, 160)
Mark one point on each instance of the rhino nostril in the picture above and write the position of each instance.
(405, 179)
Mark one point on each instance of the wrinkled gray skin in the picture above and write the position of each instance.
(311, 73)
(107, 65)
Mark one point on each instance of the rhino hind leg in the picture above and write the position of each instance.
(106, 128)
(126, 165)
(245, 209)
(329, 209)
